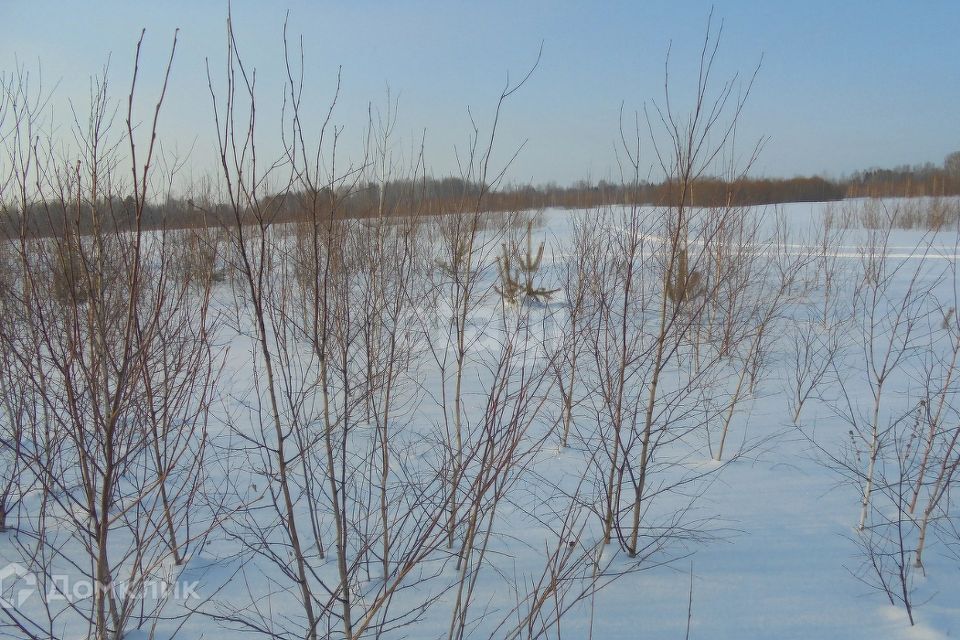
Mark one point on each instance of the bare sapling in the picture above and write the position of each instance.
(18, 414)
(503, 449)
(465, 250)
(693, 144)
(394, 276)
(885, 545)
(812, 357)
(773, 273)
(817, 335)
(576, 275)
(938, 447)
(250, 229)
(891, 325)
(617, 349)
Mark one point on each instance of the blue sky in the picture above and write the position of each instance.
(843, 85)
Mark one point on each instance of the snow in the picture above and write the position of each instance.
(773, 557)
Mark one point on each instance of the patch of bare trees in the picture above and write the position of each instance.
(110, 382)
(357, 414)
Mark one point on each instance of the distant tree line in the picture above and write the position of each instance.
(908, 181)
(437, 196)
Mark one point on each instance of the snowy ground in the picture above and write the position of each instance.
(777, 558)
(783, 564)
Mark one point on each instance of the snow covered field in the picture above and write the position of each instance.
(762, 543)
